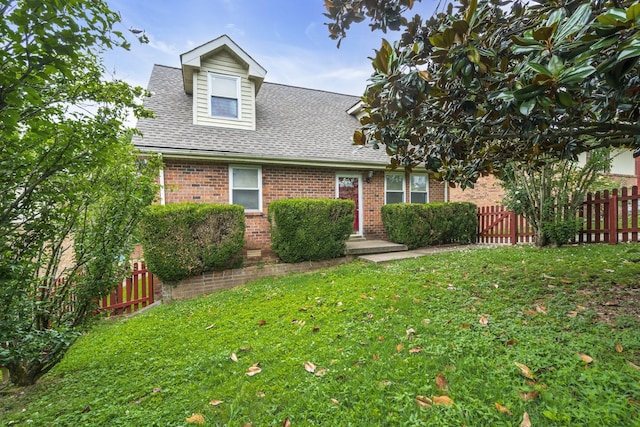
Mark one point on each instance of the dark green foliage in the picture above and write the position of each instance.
(560, 232)
(418, 225)
(310, 229)
(185, 239)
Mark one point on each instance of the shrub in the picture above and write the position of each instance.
(185, 239)
(310, 229)
(560, 232)
(419, 225)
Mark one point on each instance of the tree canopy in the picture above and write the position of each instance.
(71, 183)
(488, 81)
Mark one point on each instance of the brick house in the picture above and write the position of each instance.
(227, 136)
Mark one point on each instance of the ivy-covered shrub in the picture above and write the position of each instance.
(310, 229)
(185, 239)
(417, 225)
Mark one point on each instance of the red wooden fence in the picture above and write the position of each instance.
(609, 217)
(134, 293)
(498, 225)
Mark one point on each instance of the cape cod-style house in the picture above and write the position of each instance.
(227, 136)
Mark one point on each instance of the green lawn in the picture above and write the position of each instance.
(454, 325)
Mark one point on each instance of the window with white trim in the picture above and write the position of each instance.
(394, 188)
(419, 188)
(245, 187)
(224, 96)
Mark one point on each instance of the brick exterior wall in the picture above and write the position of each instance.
(208, 182)
(486, 192)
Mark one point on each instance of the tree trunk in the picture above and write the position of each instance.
(26, 374)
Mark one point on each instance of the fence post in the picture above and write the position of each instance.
(613, 218)
(513, 227)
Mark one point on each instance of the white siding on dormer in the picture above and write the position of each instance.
(222, 62)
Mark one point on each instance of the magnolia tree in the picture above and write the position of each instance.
(72, 186)
(487, 83)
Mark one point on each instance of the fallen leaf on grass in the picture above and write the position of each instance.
(286, 423)
(619, 347)
(530, 312)
(410, 332)
(309, 367)
(503, 409)
(247, 425)
(233, 357)
(321, 372)
(425, 402)
(416, 300)
(528, 395)
(525, 370)
(157, 389)
(335, 401)
(541, 308)
(441, 382)
(442, 400)
(633, 365)
(526, 422)
(261, 394)
(215, 402)
(399, 347)
(375, 357)
(565, 281)
(585, 358)
(484, 321)
(634, 401)
(572, 314)
(261, 322)
(546, 276)
(511, 343)
(254, 369)
(415, 350)
(196, 419)
(210, 326)
(465, 326)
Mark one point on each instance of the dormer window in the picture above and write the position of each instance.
(224, 95)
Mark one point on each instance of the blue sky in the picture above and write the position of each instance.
(287, 37)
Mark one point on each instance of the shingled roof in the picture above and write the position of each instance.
(293, 125)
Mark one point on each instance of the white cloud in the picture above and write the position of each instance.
(234, 30)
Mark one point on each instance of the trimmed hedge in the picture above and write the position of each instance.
(181, 240)
(418, 225)
(310, 229)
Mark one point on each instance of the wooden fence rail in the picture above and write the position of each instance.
(134, 293)
(608, 216)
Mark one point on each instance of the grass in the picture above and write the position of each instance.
(384, 334)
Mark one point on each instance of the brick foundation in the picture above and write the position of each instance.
(207, 283)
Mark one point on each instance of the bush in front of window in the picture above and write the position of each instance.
(418, 225)
(310, 229)
(181, 240)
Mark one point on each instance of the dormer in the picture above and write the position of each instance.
(224, 81)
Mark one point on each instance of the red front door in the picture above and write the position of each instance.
(349, 188)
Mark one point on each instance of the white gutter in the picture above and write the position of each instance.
(243, 158)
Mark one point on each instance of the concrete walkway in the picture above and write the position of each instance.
(416, 253)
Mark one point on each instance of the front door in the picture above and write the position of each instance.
(349, 186)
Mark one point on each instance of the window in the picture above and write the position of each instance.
(394, 188)
(224, 92)
(245, 187)
(419, 187)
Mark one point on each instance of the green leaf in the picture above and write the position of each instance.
(555, 65)
(576, 74)
(575, 23)
(565, 99)
(544, 33)
(633, 13)
(527, 107)
(631, 50)
(539, 68)
(461, 27)
(613, 17)
(528, 92)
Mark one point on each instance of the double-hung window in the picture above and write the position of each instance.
(224, 94)
(419, 187)
(394, 188)
(245, 187)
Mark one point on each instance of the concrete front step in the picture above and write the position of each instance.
(364, 247)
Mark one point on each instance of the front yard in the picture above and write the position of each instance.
(485, 337)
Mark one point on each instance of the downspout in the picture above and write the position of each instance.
(638, 171)
(446, 190)
(161, 179)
